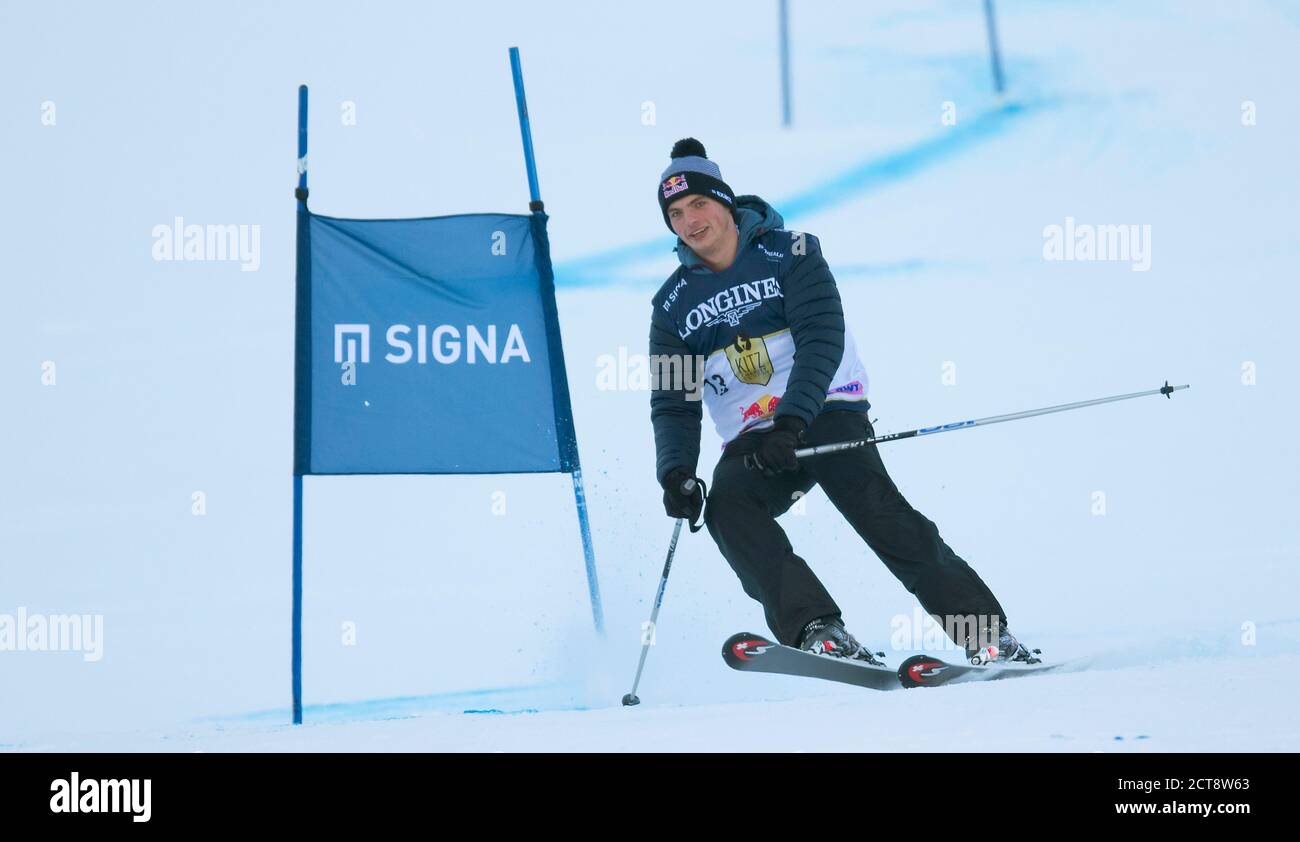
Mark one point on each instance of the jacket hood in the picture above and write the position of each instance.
(754, 218)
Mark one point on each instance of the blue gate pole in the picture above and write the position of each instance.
(526, 131)
(784, 14)
(568, 438)
(296, 657)
(301, 400)
(994, 55)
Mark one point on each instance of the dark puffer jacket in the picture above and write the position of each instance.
(771, 326)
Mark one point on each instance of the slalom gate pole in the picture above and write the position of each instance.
(301, 401)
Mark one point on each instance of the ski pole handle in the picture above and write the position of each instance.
(688, 488)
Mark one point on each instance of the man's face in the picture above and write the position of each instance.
(701, 222)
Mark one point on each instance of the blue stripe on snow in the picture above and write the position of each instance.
(871, 174)
(501, 699)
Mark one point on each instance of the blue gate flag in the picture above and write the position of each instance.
(428, 346)
(432, 347)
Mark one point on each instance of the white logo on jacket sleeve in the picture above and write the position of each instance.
(672, 296)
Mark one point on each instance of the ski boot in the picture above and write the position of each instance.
(826, 636)
(1007, 650)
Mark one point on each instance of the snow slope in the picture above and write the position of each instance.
(176, 377)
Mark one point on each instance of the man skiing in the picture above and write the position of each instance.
(759, 305)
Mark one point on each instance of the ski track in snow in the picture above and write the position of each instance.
(1127, 689)
(925, 225)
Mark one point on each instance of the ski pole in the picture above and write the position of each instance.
(688, 487)
(820, 449)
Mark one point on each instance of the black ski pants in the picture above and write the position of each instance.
(741, 516)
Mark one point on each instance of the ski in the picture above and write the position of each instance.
(927, 671)
(754, 653)
(750, 652)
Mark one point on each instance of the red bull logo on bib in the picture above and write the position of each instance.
(760, 410)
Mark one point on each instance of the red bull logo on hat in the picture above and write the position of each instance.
(674, 184)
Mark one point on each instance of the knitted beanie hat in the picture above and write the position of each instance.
(691, 172)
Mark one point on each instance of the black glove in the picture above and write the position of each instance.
(680, 502)
(776, 448)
